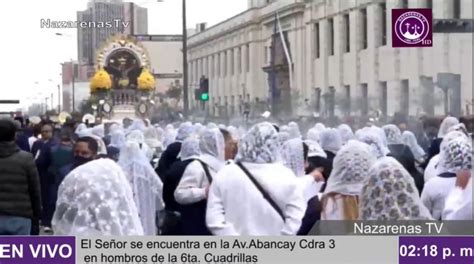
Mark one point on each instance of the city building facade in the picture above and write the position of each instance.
(341, 59)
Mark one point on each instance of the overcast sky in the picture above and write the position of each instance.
(33, 54)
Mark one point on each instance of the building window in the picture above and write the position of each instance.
(383, 6)
(211, 66)
(317, 99)
(347, 33)
(365, 100)
(218, 65)
(363, 14)
(331, 36)
(429, 4)
(231, 60)
(457, 9)
(316, 40)
(239, 60)
(247, 58)
(224, 58)
(266, 55)
(404, 3)
(405, 98)
(383, 98)
(331, 101)
(347, 102)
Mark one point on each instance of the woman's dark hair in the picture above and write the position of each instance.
(226, 134)
(276, 127)
(305, 151)
(7, 130)
(91, 143)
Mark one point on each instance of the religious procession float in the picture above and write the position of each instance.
(122, 86)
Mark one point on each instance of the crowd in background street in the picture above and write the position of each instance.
(255, 177)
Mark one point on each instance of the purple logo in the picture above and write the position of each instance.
(412, 28)
(37, 250)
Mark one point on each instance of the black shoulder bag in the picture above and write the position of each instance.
(262, 191)
(206, 170)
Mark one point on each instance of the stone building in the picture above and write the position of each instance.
(342, 59)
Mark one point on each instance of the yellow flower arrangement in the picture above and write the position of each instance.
(101, 80)
(146, 81)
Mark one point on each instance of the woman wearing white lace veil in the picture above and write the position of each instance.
(455, 155)
(117, 141)
(409, 139)
(403, 154)
(146, 186)
(330, 141)
(96, 200)
(283, 137)
(194, 185)
(138, 137)
(294, 130)
(137, 124)
(235, 205)
(373, 139)
(389, 194)
(444, 129)
(447, 123)
(169, 135)
(293, 156)
(320, 127)
(340, 200)
(152, 139)
(313, 135)
(346, 133)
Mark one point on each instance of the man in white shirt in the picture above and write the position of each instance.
(192, 190)
(236, 206)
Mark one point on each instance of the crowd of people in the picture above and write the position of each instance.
(135, 178)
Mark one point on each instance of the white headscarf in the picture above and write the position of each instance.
(389, 193)
(138, 137)
(447, 123)
(212, 146)
(293, 156)
(190, 149)
(350, 167)
(294, 130)
(146, 186)
(331, 140)
(409, 139)
(96, 200)
(137, 124)
(283, 137)
(260, 145)
(169, 136)
(455, 154)
(184, 131)
(117, 139)
(393, 134)
(313, 135)
(152, 138)
(346, 133)
(320, 127)
(381, 134)
(315, 149)
(372, 138)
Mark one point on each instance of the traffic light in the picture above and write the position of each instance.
(204, 90)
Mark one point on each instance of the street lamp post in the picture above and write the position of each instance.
(185, 64)
(185, 61)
